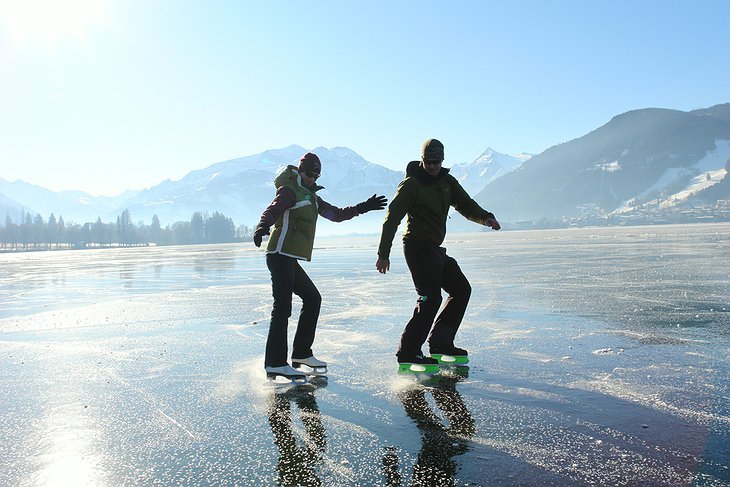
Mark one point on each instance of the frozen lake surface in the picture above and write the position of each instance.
(599, 357)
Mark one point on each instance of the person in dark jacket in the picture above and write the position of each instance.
(293, 214)
(425, 196)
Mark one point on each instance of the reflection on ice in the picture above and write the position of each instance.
(66, 453)
(441, 440)
(298, 458)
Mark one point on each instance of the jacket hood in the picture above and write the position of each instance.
(414, 169)
(290, 175)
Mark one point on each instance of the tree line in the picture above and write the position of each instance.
(36, 233)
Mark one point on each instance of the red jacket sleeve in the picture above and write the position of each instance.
(283, 200)
(334, 213)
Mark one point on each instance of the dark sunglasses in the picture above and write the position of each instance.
(432, 163)
(311, 174)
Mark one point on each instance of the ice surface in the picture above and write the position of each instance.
(598, 356)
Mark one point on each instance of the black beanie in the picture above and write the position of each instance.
(432, 150)
(310, 163)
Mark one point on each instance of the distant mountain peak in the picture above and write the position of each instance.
(490, 165)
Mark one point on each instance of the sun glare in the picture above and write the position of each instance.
(49, 20)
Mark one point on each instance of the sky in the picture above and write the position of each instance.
(109, 95)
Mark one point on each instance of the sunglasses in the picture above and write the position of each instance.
(432, 163)
(312, 174)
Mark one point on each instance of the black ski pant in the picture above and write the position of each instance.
(433, 270)
(288, 278)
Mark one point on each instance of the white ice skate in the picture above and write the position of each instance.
(287, 372)
(313, 365)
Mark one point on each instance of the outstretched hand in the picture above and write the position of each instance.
(492, 222)
(258, 235)
(372, 203)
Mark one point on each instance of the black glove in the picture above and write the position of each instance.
(258, 235)
(372, 203)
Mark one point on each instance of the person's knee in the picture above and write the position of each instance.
(312, 299)
(429, 302)
(466, 290)
(281, 310)
(462, 291)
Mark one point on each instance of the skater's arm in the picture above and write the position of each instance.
(402, 201)
(335, 214)
(283, 200)
(464, 204)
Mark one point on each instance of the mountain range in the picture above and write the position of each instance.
(641, 161)
(241, 188)
(652, 159)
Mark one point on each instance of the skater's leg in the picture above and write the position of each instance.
(311, 302)
(282, 285)
(455, 283)
(425, 261)
(312, 420)
(295, 466)
(451, 404)
(435, 464)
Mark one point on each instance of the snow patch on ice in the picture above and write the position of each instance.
(244, 377)
(534, 356)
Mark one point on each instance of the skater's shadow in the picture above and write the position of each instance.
(440, 442)
(298, 459)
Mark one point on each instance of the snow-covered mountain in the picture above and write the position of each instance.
(20, 197)
(641, 161)
(9, 208)
(489, 166)
(241, 188)
(678, 185)
(650, 164)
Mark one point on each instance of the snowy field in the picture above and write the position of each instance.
(599, 357)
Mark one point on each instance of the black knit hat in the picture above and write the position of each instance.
(310, 163)
(432, 150)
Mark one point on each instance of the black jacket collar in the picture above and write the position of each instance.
(414, 169)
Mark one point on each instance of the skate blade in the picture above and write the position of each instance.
(418, 369)
(318, 371)
(450, 359)
(455, 371)
(318, 381)
(282, 379)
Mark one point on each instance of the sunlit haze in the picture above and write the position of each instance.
(48, 20)
(108, 95)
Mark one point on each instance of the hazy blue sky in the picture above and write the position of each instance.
(109, 95)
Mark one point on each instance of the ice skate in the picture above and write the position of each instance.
(450, 355)
(287, 372)
(417, 364)
(312, 365)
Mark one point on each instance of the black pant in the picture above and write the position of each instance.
(287, 278)
(433, 270)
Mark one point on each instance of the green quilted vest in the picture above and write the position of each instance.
(293, 232)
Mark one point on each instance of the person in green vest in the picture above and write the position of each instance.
(293, 214)
(425, 196)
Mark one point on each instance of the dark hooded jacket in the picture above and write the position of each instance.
(426, 200)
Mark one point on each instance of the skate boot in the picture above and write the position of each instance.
(409, 364)
(285, 371)
(450, 355)
(313, 366)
